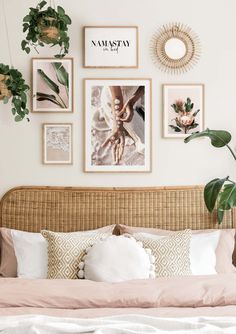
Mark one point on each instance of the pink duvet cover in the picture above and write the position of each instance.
(170, 297)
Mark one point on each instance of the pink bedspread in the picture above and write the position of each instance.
(179, 296)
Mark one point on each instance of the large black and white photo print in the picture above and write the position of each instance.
(111, 47)
(117, 125)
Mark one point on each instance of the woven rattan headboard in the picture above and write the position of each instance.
(71, 209)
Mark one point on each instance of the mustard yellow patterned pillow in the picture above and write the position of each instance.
(65, 251)
(172, 253)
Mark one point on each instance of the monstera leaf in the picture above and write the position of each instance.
(218, 138)
(218, 192)
(211, 192)
(227, 198)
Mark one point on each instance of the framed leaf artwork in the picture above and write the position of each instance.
(52, 85)
(183, 109)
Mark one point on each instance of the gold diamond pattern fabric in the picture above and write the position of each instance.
(172, 254)
(65, 251)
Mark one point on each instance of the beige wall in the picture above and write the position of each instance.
(174, 163)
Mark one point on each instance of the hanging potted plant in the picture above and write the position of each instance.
(13, 88)
(46, 26)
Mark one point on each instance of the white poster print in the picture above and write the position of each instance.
(111, 46)
(118, 125)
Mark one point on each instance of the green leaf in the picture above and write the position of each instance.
(23, 97)
(60, 11)
(196, 112)
(42, 4)
(47, 97)
(27, 50)
(67, 19)
(228, 197)
(219, 138)
(174, 107)
(23, 44)
(18, 118)
(27, 18)
(193, 126)
(211, 192)
(5, 99)
(17, 103)
(48, 81)
(175, 128)
(220, 215)
(25, 27)
(62, 74)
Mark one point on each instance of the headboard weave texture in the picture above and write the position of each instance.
(73, 209)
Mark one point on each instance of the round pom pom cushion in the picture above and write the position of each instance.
(117, 259)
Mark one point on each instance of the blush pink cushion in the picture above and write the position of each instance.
(8, 265)
(224, 250)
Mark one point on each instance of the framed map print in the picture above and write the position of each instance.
(57, 143)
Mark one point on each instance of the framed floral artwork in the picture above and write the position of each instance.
(52, 85)
(57, 143)
(111, 46)
(117, 125)
(183, 109)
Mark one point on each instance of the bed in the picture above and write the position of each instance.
(73, 306)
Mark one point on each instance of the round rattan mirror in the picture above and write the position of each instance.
(175, 48)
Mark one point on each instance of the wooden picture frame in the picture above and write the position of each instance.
(132, 153)
(57, 143)
(183, 109)
(111, 47)
(52, 85)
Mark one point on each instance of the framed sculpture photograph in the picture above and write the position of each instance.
(183, 109)
(117, 125)
(57, 144)
(111, 46)
(52, 85)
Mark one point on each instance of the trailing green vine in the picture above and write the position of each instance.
(48, 26)
(13, 88)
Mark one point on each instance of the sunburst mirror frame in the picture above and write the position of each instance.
(187, 36)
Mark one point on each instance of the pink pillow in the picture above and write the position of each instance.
(224, 250)
(8, 263)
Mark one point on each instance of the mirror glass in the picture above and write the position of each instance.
(175, 48)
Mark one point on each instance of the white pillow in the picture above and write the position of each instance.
(202, 251)
(116, 259)
(31, 254)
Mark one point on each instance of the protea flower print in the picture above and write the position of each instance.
(185, 118)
